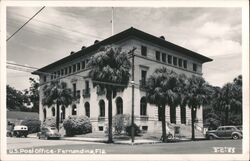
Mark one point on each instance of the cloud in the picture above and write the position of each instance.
(53, 33)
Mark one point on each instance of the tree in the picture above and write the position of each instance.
(109, 69)
(33, 94)
(162, 90)
(15, 99)
(57, 93)
(197, 93)
(229, 99)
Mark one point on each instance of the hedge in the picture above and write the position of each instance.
(32, 124)
(76, 125)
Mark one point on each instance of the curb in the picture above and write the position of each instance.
(130, 143)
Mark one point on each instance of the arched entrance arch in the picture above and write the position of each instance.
(74, 110)
(143, 106)
(119, 105)
(87, 109)
(44, 114)
(102, 108)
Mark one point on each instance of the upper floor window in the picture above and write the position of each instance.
(44, 78)
(83, 64)
(58, 73)
(144, 50)
(174, 60)
(54, 75)
(169, 59)
(78, 66)
(74, 90)
(194, 67)
(185, 64)
(70, 69)
(87, 61)
(180, 62)
(87, 86)
(163, 57)
(158, 55)
(62, 72)
(51, 76)
(66, 71)
(74, 68)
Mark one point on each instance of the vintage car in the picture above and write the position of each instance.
(224, 132)
(20, 130)
(49, 132)
(9, 130)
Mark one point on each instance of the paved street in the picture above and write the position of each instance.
(65, 146)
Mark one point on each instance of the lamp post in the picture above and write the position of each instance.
(133, 93)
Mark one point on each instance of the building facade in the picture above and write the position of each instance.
(151, 52)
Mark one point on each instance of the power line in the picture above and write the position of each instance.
(87, 34)
(25, 23)
(20, 67)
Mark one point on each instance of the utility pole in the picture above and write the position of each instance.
(133, 94)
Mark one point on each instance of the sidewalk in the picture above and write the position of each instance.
(116, 141)
(127, 142)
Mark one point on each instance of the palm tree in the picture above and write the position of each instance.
(230, 98)
(57, 93)
(161, 90)
(109, 69)
(196, 93)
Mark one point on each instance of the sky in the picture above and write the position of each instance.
(56, 31)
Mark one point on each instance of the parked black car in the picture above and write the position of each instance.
(48, 132)
(224, 132)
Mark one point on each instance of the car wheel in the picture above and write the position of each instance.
(170, 136)
(235, 136)
(211, 137)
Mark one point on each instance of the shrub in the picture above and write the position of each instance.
(49, 122)
(137, 130)
(75, 125)
(32, 124)
(120, 122)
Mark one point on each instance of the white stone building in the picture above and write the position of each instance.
(151, 53)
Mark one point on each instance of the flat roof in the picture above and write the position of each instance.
(120, 36)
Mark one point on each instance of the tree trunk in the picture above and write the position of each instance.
(57, 116)
(163, 124)
(192, 122)
(109, 95)
(226, 115)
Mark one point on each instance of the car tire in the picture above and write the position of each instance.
(210, 137)
(170, 136)
(235, 136)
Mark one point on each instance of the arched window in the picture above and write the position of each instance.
(53, 111)
(173, 114)
(62, 113)
(74, 109)
(143, 106)
(102, 108)
(183, 115)
(119, 106)
(87, 109)
(44, 114)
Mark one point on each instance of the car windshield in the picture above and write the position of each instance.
(53, 128)
(239, 127)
